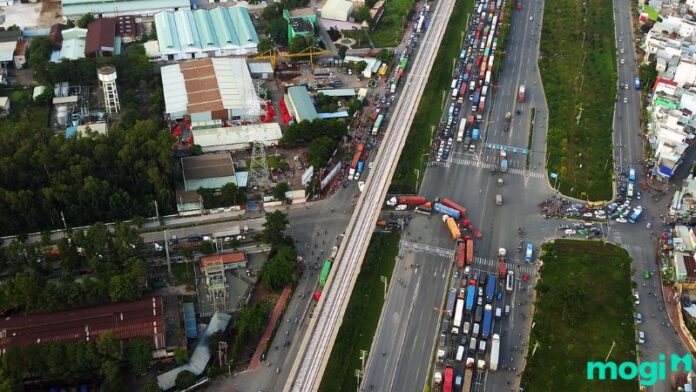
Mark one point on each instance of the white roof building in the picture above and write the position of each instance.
(337, 10)
(685, 73)
(236, 138)
(208, 89)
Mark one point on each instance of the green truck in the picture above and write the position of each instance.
(325, 272)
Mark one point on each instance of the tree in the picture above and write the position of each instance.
(185, 380)
(231, 195)
(139, 354)
(299, 43)
(121, 288)
(279, 270)
(280, 190)
(342, 49)
(278, 31)
(385, 56)
(180, 355)
(151, 386)
(264, 45)
(363, 14)
(320, 151)
(274, 228)
(85, 20)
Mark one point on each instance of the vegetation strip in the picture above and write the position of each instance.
(529, 140)
(411, 164)
(566, 336)
(578, 68)
(390, 28)
(362, 315)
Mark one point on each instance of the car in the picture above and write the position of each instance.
(479, 301)
(480, 291)
(467, 271)
(569, 232)
(623, 61)
(588, 215)
(531, 18)
(641, 337)
(456, 274)
(621, 220)
(639, 318)
(646, 274)
(622, 50)
(620, 39)
(637, 297)
(625, 100)
(518, 112)
(626, 86)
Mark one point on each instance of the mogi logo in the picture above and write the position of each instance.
(649, 372)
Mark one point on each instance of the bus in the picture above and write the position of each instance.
(325, 269)
(510, 280)
(378, 124)
(447, 384)
(528, 256)
(632, 175)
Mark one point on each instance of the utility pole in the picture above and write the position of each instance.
(358, 375)
(62, 217)
(166, 251)
(156, 210)
(613, 343)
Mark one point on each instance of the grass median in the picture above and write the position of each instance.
(578, 68)
(411, 165)
(362, 315)
(566, 336)
(390, 29)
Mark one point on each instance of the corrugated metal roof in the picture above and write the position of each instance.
(236, 136)
(190, 320)
(302, 104)
(337, 10)
(226, 258)
(338, 92)
(207, 166)
(74, 41)
(7, 50)
(258, 68)
(174, 89)
(131, 7)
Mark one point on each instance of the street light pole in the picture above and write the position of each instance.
(166, 251)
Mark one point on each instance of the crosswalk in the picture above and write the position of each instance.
(423, 248)
(523, 269)
(489, 166)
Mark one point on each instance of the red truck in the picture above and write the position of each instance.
(449, 203)
(467, 225)
(502, 269)
(519, 5)
(411, 200)
(357, 156)
(470, 120)
(469, 251)
(461, 254)
(520, 93)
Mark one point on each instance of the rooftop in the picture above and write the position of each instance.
(131, 7)
(301, 103)
(301, 25)
(144, 318)
(207, 166)
(227, 258)
(74, 41)
(101, 33)
(236, 138)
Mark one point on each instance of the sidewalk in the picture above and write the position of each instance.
(277, 312)
(675, 318)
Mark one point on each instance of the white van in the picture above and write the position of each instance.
(465, 329)
(460, 353)
(472, 345)
(507, 310)
(482, 346)
(476, 330)
(629, 190)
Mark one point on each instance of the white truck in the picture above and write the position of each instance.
(460, 131)
(458, 312)
(495, 352)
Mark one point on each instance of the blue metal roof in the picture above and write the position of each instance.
(190, 320)
(302, 103)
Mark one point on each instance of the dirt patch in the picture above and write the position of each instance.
(51, 13)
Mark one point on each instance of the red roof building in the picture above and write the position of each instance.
(101, 34)
(56, 34)
(126, 320)
(228, 260)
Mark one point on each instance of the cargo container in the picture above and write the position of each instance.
(521, 93)
(490, 288)
(449, 203)
(470, 298)
(451, 300)
(470, 120)
(477, 97)
(519, 5)
(325, 272)
(461, 254)
(487, 321)
(469, 251)
(488, 77)
(495, 352)
(468, 375)
(475, 134)
(443, 209)
(452, 226)
(482, 105)
(447, 383)
(408, 200)
(502, 269)
(458, 312)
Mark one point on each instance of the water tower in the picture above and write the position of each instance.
(107, 77)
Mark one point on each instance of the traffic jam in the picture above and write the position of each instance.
(471, 83)
(469, 344)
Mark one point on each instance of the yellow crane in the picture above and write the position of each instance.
(274, 54)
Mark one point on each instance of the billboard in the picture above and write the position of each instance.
(325, 181)
(307, 175)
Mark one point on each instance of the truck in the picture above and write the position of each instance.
(461, 253)
(437, 378)
(502, 269)
(467, 223)
(462, 89)
(452, 226)
(325, 269)
(482, 105)
(458, 312)
(519, 5)
(520, 94)
(637, 212)
(451, 300)
(449, 203)
(468, 375)
(408, 200)
(443, 209)
(470, 297)
(356, 159)
(470, 120)
(631, 175)
(490, 288)
(460, 131)
(359, 170)
(504, 165)
(495, 352)
(508, 119)
(469, 251)
(487, 321)
(449, 376)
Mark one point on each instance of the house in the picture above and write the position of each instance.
(300, 104)
(101, 38)
(4, 106)
(229, 261)
(301, 21)
(8, 44)
(20, 54)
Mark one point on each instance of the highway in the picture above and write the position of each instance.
(316, 345)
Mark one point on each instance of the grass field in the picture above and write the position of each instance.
(360, 37)
(578, 67)
(390, 28)
(583, 304)
(21, 107)
(362, 315)
(411, 164)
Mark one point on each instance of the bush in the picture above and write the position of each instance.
(185, 379)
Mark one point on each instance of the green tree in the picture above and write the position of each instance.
(185, 379)
(264, 45)
(85, 20)
(180, 355)
(274, 228)
(151, 386)
(342, 49)
(139, 354)
(298, 44)
(231, 195)
(121, 288)
(363, 14)
(279, 270)
(280, 190)
(385, 56)
(320, 150)
(278, 31)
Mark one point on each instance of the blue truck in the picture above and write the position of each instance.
(477, 97)
(637, 212)
(487, 321)
(470, 298)
(443, 209)
(490, 288)
(474, 134)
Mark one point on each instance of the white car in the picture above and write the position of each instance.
(625, 100)
(620, 39)
(637, 297)
(622, 50)
(621, 220)
(623, 61)
(467, 271)
(641, 337)
(531, 18)
(639, 318)
(569, 232)
(588, 215)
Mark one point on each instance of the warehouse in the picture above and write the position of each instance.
(300, 104)
(101, 8)
(217, 88)
(186, 34)
(211, 171)
(337, 10)
(237, 138)
(126, 320)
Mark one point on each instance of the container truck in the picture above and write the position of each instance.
(469, 251)
(462, 90)
(359, 170)
(467, 224)
(460, 131)
(477, 97)
(487, 321)
(488, 77)
(447, 384)
(482, 105)
(470, 120)
(449, 203)
(458, 312)
(502, 269)
(495, 352)
(461, 253)
(468, 375)
(409, 200)
(470, 297)
(520, 94)
(325, 269)
(452, 226)
(490, 288)
(451, 300)
(442, 209)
